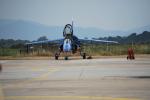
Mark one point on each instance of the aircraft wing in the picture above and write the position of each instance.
(97, 41)
(58, 41)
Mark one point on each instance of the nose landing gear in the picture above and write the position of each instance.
(66, 57)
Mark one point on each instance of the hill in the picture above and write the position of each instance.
(132, 38)
(28, 30)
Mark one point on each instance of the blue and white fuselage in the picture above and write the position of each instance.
(67, 45)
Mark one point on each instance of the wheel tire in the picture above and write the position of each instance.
(133, 57)
(127, 57)
(84, 55)
(66, 58)
(56, 56)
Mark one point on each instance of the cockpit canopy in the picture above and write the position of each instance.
(68, 30)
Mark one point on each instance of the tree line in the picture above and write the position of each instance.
(143, 38)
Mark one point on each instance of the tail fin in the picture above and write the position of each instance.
(72, 25)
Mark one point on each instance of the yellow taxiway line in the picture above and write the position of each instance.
(65, 98)
(40, 77)
(45, 75)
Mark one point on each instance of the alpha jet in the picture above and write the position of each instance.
(70, 43)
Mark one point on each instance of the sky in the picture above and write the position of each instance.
(103, 14)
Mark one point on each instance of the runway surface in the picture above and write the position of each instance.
(95, 79)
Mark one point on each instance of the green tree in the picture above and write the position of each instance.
(42, 38)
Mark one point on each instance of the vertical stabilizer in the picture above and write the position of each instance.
(72, 25)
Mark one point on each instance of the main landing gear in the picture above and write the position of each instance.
(56, 56)
(84, 55)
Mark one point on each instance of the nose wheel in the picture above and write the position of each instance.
(66, 57)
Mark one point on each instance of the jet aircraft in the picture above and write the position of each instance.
(70, 43)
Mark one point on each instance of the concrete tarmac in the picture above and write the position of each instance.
(95, 79)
